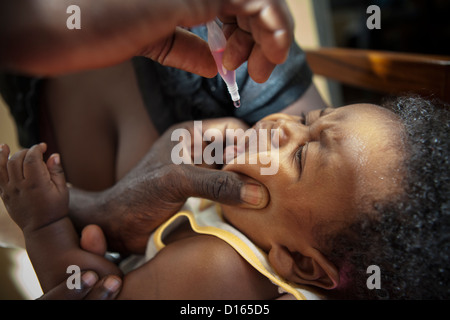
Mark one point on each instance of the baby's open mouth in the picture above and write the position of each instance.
(259, 138)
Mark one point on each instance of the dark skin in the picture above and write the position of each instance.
(104, 117)
(259, 31)
(35, 195)
(87, 111)
(117, 154)
(39, 43)
(48, 226)
(92, 288)
(91, 121)
(103, 133)
(155, 189)
(27, 176)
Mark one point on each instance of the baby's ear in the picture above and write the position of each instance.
(310, 268)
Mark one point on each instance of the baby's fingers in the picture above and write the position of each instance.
(34, 167)
(4, 154)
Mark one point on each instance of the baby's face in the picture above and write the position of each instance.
(328, 164)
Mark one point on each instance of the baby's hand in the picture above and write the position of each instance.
(34, 192)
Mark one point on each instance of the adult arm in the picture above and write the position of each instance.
(39, 42)
(157, 188)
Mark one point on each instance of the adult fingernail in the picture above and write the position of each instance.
(253, 195)
(89, 278)
(112, 284)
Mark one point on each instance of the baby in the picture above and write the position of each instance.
(356, 186)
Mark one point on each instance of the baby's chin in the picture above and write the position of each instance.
(228, 212)
(237, 218)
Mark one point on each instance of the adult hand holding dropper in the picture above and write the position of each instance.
(257, 31)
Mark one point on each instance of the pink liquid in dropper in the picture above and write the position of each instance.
(217, 43)
(228, 76)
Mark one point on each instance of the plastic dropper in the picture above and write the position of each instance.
(217, 43)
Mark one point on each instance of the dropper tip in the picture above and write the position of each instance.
(237, 103)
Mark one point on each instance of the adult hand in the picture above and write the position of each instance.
(260, 32)
(157, 188)
(91, 288)
(257, 31)
(39, 42)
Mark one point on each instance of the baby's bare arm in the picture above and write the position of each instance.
(36, 197)
(10, 233)
(198, 267)
(55, 247)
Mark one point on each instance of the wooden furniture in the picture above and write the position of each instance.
(385, 72)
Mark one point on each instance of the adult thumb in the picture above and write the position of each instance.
(224, 187)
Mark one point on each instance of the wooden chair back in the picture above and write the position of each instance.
(384, 72)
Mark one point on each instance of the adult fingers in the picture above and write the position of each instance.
(91, 288)
(106, 289)
(261, 15)
(273, 29)
(259, 67)
(183, 50)
(239, 46)
(266, 25)
(93, 240)
(62, 292)
(221, 186)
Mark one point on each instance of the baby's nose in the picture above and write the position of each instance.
(288, 130)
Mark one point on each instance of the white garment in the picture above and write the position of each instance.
(205, 217)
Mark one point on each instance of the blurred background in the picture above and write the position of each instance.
(410, 26)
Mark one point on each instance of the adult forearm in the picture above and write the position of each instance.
(37, 39)
(86, 208)
(124, 212)
(121, 212)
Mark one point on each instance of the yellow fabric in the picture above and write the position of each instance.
(233, 240)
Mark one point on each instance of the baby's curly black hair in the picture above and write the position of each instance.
(409, 237)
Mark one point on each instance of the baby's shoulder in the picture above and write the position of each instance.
(215, 267)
